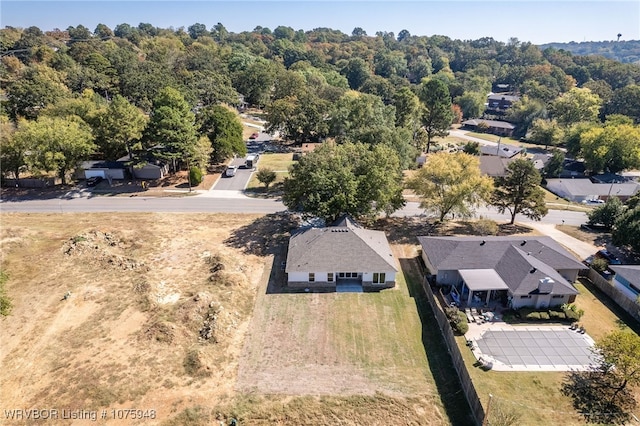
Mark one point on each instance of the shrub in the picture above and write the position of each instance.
(485, 227)
(544, 315)
(195, 175)
(533, 316)
(266, 176)
(599, 264)
(457, 319)
(572, 315)
(5, 302)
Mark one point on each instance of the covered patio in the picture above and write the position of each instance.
(480, 286)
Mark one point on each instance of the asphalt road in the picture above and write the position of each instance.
(209, 202)
(237, 182)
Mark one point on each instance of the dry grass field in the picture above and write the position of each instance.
(170, 312)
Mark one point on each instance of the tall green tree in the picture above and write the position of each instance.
(171, 131)
(604, 392)
(13, 151)
(224, 130)
(437, 115)
(607, 214)
(347, 178)
(545, 132)
(577, 105)
(519, 191)
(613, 148)
(118, 128)
(451, 184)
(626, 231)
(554, 166)
(37, 87)
(57, 144)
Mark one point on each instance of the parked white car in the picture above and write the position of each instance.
(592, 201)
(231, 171)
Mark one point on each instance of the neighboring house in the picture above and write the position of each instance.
(573, 169)
(579, 190)
(523, 271)
(627, 280)
(500, 102)
(344, 253)
(540, 161)
(148, 168)
(501, 128)
(491, 165)
(103, 169)
(500, 150)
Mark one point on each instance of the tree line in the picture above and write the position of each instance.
(400, 91)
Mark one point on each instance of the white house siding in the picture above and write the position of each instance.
(570, 275)
(624, 289)
(541, 301)
(298, 277)
(428, 264)
(448, 277)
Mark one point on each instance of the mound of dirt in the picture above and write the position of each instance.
(105, 247)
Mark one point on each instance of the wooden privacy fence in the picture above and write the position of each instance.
(454, 351)
(630, 306)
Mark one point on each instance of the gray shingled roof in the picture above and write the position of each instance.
(346, 247)
(491, 165)
(468, 252)
(630, 272)
(522, 273)
(501, 150)
(512, 257)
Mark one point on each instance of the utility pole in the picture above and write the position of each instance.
(485, 421)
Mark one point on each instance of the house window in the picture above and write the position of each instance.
(379, 278)
(312, 277)
(330, 277)
(526, 296)
(354, 274)
(341, 274)
(557, 296)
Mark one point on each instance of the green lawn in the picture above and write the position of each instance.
(276, 162)
(556, 203)
(536, 396)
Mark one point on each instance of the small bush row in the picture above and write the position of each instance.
(568, 313)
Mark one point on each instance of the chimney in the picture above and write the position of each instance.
(545, 285)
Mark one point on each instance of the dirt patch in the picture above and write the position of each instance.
(141, 307)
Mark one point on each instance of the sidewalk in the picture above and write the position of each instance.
(579, 248)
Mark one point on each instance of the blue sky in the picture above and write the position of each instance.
(538, 22)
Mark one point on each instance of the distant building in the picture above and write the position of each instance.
(500, 128)
(499, 103)
(500, 150)
(494, 166)
(579, 190)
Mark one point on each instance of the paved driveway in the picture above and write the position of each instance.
(535, 349)
(237, 182)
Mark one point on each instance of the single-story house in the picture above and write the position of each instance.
(524, 271)
(627, 280)
(501, 128)
(493, 166)
(500, 150)
(579, 190)
(500, 102)
(149, 168)
(103, 169)
(540, 161)
(343, 253)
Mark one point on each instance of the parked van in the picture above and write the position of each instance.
(251, 161)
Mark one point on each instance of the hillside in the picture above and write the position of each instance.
(625, 51)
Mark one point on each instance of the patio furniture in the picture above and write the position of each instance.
(470, 317)
(489, 316)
